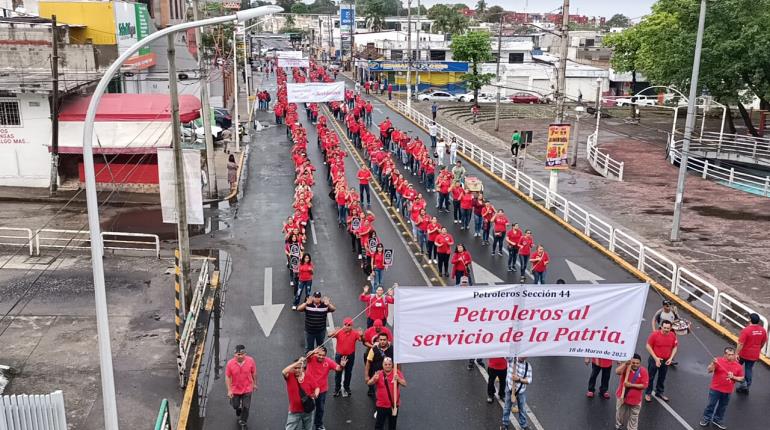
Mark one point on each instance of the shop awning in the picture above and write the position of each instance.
(131, 107)
(116, 137)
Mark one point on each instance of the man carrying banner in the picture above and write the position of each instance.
(518, 377)
(633, 380)
(388, 397)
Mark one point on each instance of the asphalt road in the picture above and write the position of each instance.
(443, 394)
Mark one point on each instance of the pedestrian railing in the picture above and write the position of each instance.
(48, 238)
(601, 162)
(163, 422)
(188, 338)
(736, 147)
(33, 412)
(759, 185)
(718, 306)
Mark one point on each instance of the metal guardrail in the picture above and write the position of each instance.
(187, 340)
(719, 306)
(163, 422)
(733, 146)
(708, 170)
(77, 239)
(601, 162)
(33, 412)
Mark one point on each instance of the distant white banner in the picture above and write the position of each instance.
(293, 62)
(581, 320)
(288, 54)
(192, 182)
(315, 92)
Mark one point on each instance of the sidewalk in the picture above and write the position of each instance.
(737, 263)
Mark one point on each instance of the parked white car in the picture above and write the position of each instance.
(639, 101)
(483, 97)
(432, 95)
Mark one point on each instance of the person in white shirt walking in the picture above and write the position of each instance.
(453, 150)
(433, 132)
(517, 379)
(440, 151)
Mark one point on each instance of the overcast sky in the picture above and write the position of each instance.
(606, 8)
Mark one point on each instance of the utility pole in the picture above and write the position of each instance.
(688, 125)
(409, 55)
(352, 41)
(553, 180)
(203, 69)
(246, 72)
(598, 108)
(183, 236)
(497, 73)
(235, 93)
(417, 71)
(54, 107)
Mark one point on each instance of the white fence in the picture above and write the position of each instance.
(33, 412)
(719, 306)
(602, 162)
(76, 239)
(187, 339)
(740, 147)
(759, 185)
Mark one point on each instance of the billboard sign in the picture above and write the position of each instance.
(132, 24)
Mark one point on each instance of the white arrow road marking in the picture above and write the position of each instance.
(267, 314)
(483, 276)
(673, 413)
(582, 274)
(312, 230)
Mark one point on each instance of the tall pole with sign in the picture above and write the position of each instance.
(205, 108)
(409, 55)
(553, 182)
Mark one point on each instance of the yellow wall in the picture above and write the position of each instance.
(98, 17)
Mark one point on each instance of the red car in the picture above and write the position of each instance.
(526, 98)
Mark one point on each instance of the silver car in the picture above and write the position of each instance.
(437, 96)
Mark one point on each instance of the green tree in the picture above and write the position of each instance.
(375, 14)
(481, 7)
(493, 14)
(735, 62)
(473, 47)
(618, 20)
(447, 20)
(299, 8)
(323, 7)
(285, 4)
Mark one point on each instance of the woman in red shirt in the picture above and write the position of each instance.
(487, 212)
(432, 230)
(539, 264)
(456, 190)
(305, 277)
(525, 248)
(387, 393)
(376, 304)
(378, 265)
(466, 206)
(461, 264)
(496, 368)
(444, 242)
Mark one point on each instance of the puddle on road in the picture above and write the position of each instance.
(729, 214)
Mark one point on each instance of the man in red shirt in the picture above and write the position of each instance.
(386, 383)
(633, 380)
(347, 337)
(364, 175)
(496, 368)
(371, 334)
(241, 381)
(751, 341)
(603, 366)
(318, 368)
(662, 346)
(727, 371)
(296, 380)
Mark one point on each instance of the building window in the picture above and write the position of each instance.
(438, 55)
(516, 57)
(396, 54)
(9, 113)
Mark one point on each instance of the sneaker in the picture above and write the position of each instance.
(242, 423)
(504, 427)
(337, 393)
(590, 394)
(499, 254)
(359, 256)
(606, 396)
(320, 428)
(294, 307)
(489, 400)
(375, 415)
(719, 425)
(703, 423)
(346, 393)
(510, 269)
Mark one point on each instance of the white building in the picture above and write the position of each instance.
(541, 79)
(25, 135)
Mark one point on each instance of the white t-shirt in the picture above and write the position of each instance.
(433, 130)
(440, 147)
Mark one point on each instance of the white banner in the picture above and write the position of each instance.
(580, 320)
(315, 92)
(192, 182)
(293, 62)
(288, 54)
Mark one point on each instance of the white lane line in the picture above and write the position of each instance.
(531, 416)
(330, 330)
(312, 230)
(673, 413)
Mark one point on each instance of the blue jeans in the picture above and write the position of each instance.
(521, 402)
(305, 286)
(312, 340)
(477, 222)
(661, 374)
(497, 243)
(748, 369)
(513, 252)
(299, 421)
(539, 277)
(433, 141)
(377, 281)
(422, 238)
(347, 370)
(342, 212)
(523, 261)
(466, 213)
(443, 201)
(430, 181)
(715, 410)
(320, 402)
(364, 189)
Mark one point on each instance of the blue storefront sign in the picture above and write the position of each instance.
(420, 66)
(347, 16)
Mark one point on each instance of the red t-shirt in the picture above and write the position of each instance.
(662, 345)
(753, 337)
(514, 235)
(460, 261)
(306, 272)
(501, 222)
(466, 201)
(292, 389)
(444, 243)
(377, 306)
(498, 363)
(346, 341)
(319, 372)
(525, 245)
(242, 375)
(540, 265)
(383, 400)
(371, 333)
(633, 396)
(379, 260)
(719, 381)
(363, 177)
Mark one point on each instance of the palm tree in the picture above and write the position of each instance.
(375, 14)
(481, 7)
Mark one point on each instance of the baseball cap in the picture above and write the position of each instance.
(239, 349)
(348, 320)
(317, 294)
(666, 302)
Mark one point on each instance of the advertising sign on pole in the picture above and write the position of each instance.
(579, 320)
(132, 24)
(193, 185)
(556, 157)
(317, 92)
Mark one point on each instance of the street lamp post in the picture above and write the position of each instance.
(579, 110)
(497, 72)
(409, 55)
(100, 295)
(688, 126)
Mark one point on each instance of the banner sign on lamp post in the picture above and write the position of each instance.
(315, 92)
(556, 157)
(579, 320)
